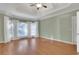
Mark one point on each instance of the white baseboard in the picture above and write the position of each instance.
(1, 42)
(58, 40)
(5, 41)
(46, 38)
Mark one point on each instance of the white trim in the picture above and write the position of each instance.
(46, 37)
(77, 33)
(5, 41)
(56, 14)
(58, 40)
(74, 38)
(60, 12)
(64, 41)
(58, 9)
(1, 42)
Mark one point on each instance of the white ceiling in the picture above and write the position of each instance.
(25, 11)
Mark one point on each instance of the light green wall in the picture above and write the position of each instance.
(58, 27)
(1, 28)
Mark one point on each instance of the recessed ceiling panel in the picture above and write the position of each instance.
(25, 10)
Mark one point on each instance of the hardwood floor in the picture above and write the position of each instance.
(38, 46)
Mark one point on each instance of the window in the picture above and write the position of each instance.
(22, 29)
(10, 28)
(33, 29)
(19, 29)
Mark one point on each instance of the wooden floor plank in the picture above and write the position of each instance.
(37, 46)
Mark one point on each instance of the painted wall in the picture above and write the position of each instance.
(1, 28)
(58, 27)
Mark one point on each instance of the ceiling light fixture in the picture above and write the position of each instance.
(38, 5)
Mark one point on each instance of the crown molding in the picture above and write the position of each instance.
(62, 11)
(52, 11)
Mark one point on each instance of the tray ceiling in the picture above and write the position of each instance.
(25, 11)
